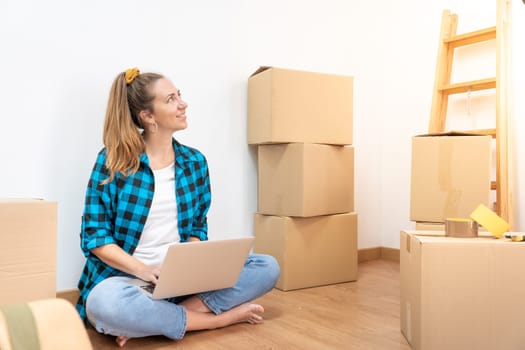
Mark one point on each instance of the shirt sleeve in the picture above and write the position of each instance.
(97, 219)
(200, 222)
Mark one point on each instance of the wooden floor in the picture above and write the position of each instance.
(355, 315)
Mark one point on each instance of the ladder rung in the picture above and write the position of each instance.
(475, 85)
(493, 185)
(472, 37)
(489, 132)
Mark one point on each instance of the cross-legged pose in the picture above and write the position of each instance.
(146, 192)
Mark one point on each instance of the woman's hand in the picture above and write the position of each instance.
(148, 273)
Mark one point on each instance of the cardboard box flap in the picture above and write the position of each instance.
(265, 68)
(260, 69)
(450, 133)
(20, 200)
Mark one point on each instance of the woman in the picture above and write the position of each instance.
(146, 192)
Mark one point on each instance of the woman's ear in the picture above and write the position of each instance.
(146, 117)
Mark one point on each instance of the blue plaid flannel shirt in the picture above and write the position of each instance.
(116, 212)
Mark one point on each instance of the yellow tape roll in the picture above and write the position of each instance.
(490, 220)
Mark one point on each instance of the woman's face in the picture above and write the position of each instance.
(169, 110)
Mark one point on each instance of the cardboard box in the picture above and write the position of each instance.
(311, 251)
(299, 179)
(461, 293)
(28, 240)
(430, 226)
(287, 105)
(450, 175)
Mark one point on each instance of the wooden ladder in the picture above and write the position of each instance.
(443, 87)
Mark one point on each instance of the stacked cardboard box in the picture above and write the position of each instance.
(27, 250)
(302, 124)
(461, 293)
(455, 291)
(450, 177)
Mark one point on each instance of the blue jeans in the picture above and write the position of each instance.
(118, 308)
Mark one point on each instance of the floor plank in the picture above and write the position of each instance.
(356, 315)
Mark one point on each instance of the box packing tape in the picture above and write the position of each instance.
(490, 220)
(461, 227)
(515, 236)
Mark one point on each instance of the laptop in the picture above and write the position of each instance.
(195, 267)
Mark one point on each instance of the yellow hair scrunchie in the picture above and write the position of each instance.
(131, 74)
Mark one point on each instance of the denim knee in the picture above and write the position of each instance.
(104, 305)
(271, 269)
(116, 307)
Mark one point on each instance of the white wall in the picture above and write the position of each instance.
(518, 110)
(59, 58)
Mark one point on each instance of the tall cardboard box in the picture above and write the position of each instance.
(312, 251)
(450, 175)
(298, 179)
(461, 293)
(28, 239)
(287, 105)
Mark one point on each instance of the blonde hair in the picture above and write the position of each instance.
(122, 137)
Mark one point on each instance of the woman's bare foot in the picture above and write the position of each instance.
(251, 313)
(121, 340)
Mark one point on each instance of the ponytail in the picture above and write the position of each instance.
(122, 138)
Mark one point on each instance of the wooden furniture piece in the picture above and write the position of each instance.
(443, 88)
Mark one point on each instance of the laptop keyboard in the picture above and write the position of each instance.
(148, 287)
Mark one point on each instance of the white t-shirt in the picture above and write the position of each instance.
(160, 229)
